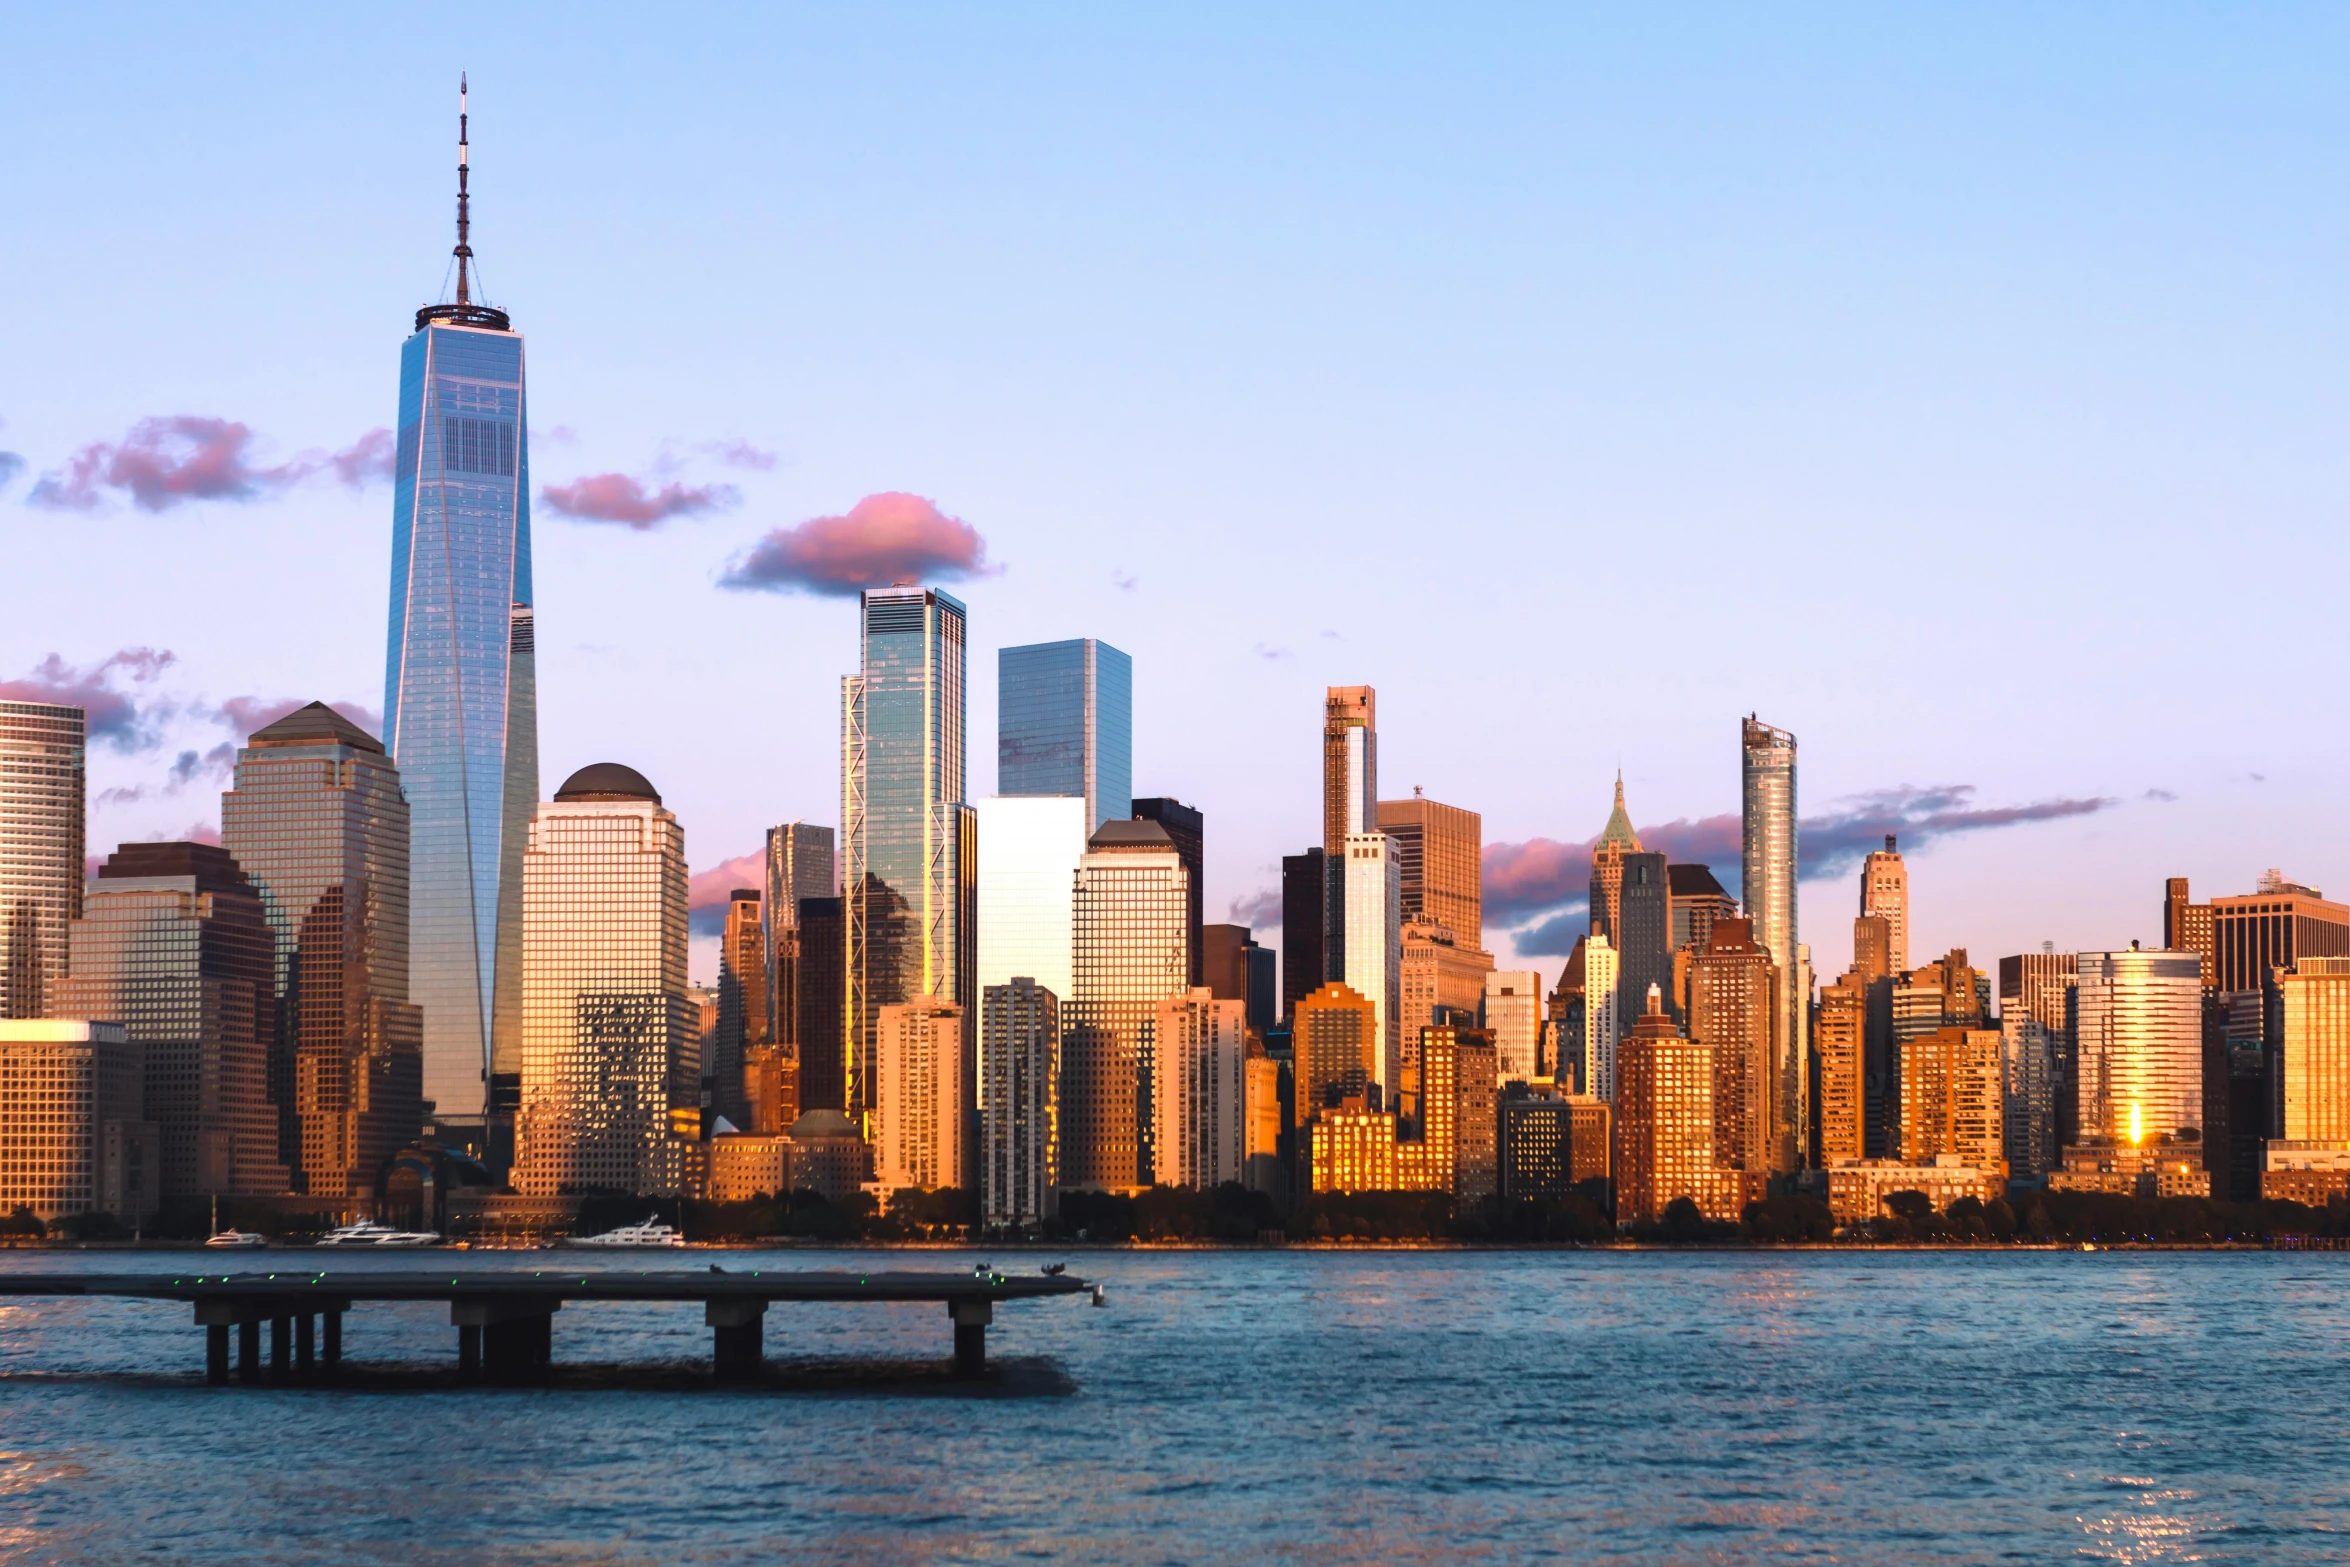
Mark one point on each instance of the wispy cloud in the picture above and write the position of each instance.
(2160, 796)
(368, 460)
(741, 454)
(245, 714)
(1271, 651)
(123, 719)
(883, 539)
(10, 466)
(1257, 910)
(1124, 583)
(708, 892)
(621, 498)
(165, 462)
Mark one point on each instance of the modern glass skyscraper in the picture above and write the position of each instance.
(904, 870)
(1065, 724)
(43, 804)
(1767, 888)
(460, 686)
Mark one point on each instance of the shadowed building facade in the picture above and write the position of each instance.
(1019, 1105)
(1187, 829)
(1305, 891)
(800, 864)
(43, 806)
(742, 1006)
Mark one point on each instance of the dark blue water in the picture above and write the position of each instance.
(1911, 1407)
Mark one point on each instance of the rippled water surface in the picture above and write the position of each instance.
(1911, 1407)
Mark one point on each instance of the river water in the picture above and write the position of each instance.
(1246, 1406)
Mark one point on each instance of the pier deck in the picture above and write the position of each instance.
(505, 1316)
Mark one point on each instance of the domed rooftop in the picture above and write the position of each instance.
(813, 1124)
(608, 781)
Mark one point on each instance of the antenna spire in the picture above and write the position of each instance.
(464, 213)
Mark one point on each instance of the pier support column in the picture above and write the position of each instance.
(738, 1347)
(333, 1352)
(305, 1345)
(513, 1335)
(971, 1318)
(216, 1354)
(468, 1350)
(249, 1350)
(281, 1347)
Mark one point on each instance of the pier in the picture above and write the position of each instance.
(505, 1317)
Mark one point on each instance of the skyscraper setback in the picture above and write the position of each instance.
(1884, 893)
(460, 686)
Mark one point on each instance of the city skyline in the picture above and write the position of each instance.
(2049, 835)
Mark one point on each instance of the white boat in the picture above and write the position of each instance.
(649, 1233)
(366, 1232)
(236, 1238)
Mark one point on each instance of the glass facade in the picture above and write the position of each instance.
(43, 798)
(1128, 955)
(460, 698)
(1767, 888)
(902, 781)
(1019, 1105)
(1065, 724)
(1374, 944)
(2139, 1038)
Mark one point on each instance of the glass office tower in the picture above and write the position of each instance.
(905, 829)
(1065, 725)
(461, 699)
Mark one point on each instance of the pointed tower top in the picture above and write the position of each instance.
(1619, 824)
(464, 312)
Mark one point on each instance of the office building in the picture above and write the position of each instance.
(608, 1047)
(820, 1003)
(1350, 804)
(1031, 848)
(1305, 891)
(771, 1090)
(1019, 1106)
(904, 827)
(1664, 1122)
(1953, 1097)
(1602, 1017)
(1439, 849)
(44, 794)
(2313, 1066)
(2042, 984)
(1563, 1054)
(460, 690)
(1616, 840)
(1946, 993)
(1374, 942)
(1437, 978)
(920, 1114)
(1235, 968)
(1884, 894)
(1065, 725)
(1696, 899)
(173, 944)
(1130, 952)
(1732, 1012)
(800, 864)
(2139, 1045)
(1457, 1148)
(2028, 1067)
(1839, 1042)
(1199, 1096)
(74, 1137)
(2187, 927)
(2272, 928)
(1767, 886)
(1512, 1013)
(317, 822)
(1643, 933)
(742, 1006)
(1336, 1039)
(1187, 828)
(1549, 1143)
(1872, 948)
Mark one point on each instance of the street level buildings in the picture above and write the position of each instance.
(43, 805)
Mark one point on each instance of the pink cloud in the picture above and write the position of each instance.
(112, 715)
(616, 497)
(245, 714)
(741, 454)
(885, 538)
(1258, 909)
(165, 461)
(368, 460)
(708, 892)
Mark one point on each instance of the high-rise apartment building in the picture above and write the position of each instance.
(1065, 725)
(1696, 899)
(1512, 1014)
(1457, 1147)
(44, 794)
(1019, 1105)
(1337, 1045)
(800, 864)
(1616, 840)
(1953, 1098)
(461, 691)
(1188, 830)
(1374, 942)
(1438, 978)
(1839, 1041)
(318, 824)
(2139, 1044)
(820, 1003)
(1872, 948)
(1439, 850)
(1767, 887)
(173, 944)
(1602, 1021)
(2313, 1067)
(74, 1137)
(2041, 984)
(921, 1107)
(742, 1005)
(608, 1046)
(1664, 1118)
(1946, 993)
(1732, 1011)
(1642, 933)
(1129, 953)
(1199, 1099)
(1884, 893)
(2187, 927)
(2028, 1065)
(1547, 1142)
(2274, 927)
(904, 825)
(1305, 890)
(1350, 803)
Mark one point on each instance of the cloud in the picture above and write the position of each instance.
(1835, 842)
(1268, 650)
(883, 539)
(1553, 938)
(1257, 909)
(2160, 796)
(166, 461)
(740, 454)
(616, 497)
(113, 715)
(1124, 583)
(708, 892)
(246, 714)
(10, 466)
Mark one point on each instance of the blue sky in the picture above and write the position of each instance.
(1961, 391)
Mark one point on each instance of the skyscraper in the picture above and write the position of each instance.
(1732, 991)
(1128, 955)
(1019, 1105)
(608, 1047)
(1602, 1022)
(1187, 827)
(1439, 849)
(1027, 953)
(1305, 892)
(1350, 803)
(2028, 1091)
(2139, 1043)
(1235, 968)
(1840, 1041)
(920, 1137)
(1512, 1014)
(1616, 840)
(1374, 943)
(2275, 926)
(173, 945)
(1199, 1048)
(800, 864)
(1953, 1097)
(318, 824)
(460, 684)
(1884, 892)
(1664, 1119)
(902, 816)
(820, 1000)
(1698, 900)
(1642, 933)
(1767, 888)
(43, 806)
(1065, 725)
(2314, 1038)
(1337, 1043)
(742, 1005)
(1872, 947)
(1027, 889)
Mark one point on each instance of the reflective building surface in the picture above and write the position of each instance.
(1128, 955)
(43, 796)
(1767, 888)
(2139, 1044)
(1065, 724)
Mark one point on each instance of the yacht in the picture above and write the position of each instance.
(366, 1232)
(649, 1233)
(232, 1236)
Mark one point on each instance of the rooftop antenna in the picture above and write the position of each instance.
(464, 311)
(464, 213)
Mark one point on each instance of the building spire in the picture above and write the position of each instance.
(464, 201)
(465, 311)
(1619, 821)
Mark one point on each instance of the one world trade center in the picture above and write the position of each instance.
(460, 694)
